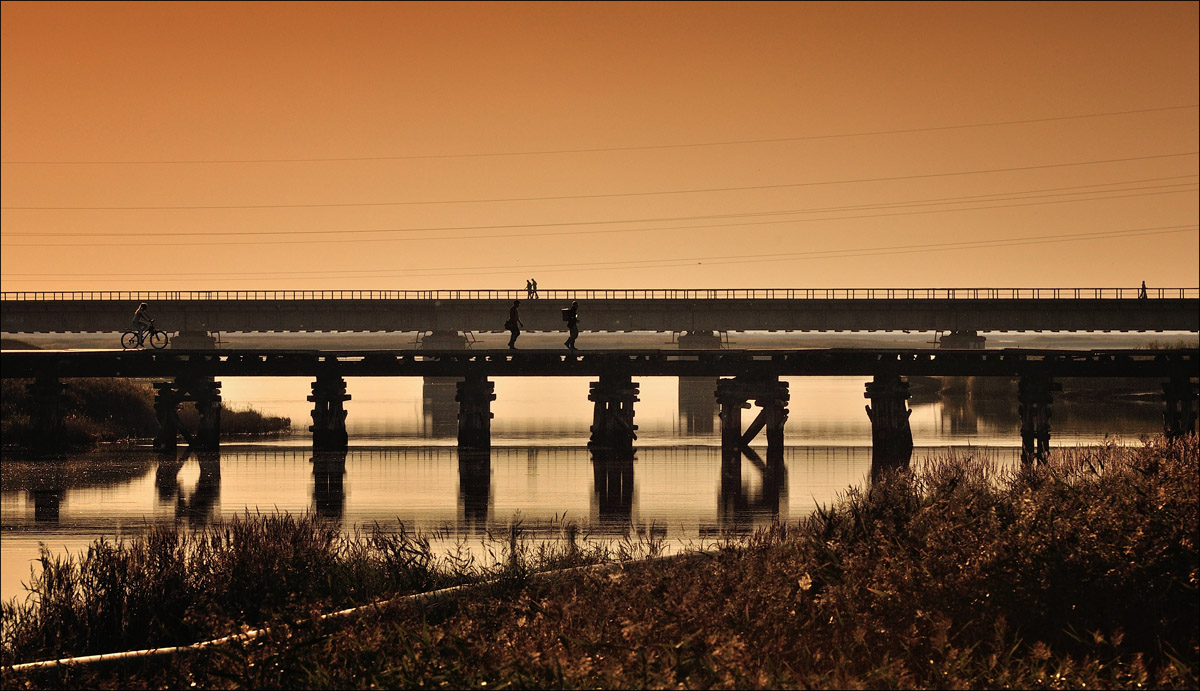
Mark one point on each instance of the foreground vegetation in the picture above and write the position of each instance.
(1082, 573)
(110, 410)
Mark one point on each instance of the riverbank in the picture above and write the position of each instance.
(115, 410)
(1081, 573)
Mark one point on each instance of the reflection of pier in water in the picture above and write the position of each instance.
(747, 495)
(439, 407)
(48, 480)
(196, 506)
(329, 491)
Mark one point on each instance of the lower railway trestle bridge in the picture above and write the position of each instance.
(741, 378)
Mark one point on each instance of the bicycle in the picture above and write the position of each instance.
(137, 338)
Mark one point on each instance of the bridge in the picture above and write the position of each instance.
(737, 378)
(698, 314)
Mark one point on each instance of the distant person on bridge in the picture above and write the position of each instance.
(141, 319)
(1142, 292)
(533, 285)
(529, 289)
(571, 317)
(513, 324)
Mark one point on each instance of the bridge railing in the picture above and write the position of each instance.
(618, 294)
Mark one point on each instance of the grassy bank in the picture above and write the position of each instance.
(1082, 573)
(110, 410)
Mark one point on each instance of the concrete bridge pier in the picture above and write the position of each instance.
(697, 404)
(1034, 398)
(444, 340)
(1179, 418)
(475, 396)
(612, 429)
(193, 339)
(329, 413)
(891, 434)
(46, 416)
(700, 340)
(612, 495)
(329, 493)
(961, 339)
(439, 407)
(474, 490)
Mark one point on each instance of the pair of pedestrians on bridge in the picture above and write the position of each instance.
(569, 314)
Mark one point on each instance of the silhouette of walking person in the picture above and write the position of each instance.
(529, 289)
(1142, 292)
(513, 324)
(571, 316)
(533, 285)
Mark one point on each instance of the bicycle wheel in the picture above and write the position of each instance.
(129, 340)
(158, 339)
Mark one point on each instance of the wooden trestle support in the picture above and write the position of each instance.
(891, 434)
(734, 395)
(329, 413)
(45, 413)
(1034, 397)
(613, 431)
(475, 396)
(205, 393)
(611, 446)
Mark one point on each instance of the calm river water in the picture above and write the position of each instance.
(403, 466)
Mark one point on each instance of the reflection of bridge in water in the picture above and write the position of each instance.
(743, 502)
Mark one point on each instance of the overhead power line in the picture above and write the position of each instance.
(545, 152)
(606, 195)
(997, 196)
(723, 217)
(657, 263)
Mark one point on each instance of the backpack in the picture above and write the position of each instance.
(566, 312)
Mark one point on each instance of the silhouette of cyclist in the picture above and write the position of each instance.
(141, 319)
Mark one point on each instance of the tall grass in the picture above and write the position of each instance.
(1080, 573)
(172, 587)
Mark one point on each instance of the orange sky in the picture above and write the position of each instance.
(164, 146)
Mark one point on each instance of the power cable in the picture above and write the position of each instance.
(655, 263)
(606, 195)
(1005, 196)
(563, 232)
(547, 152)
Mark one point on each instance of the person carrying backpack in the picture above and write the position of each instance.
(513, 324)
(571, 316)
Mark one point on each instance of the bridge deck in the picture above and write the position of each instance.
(558, 362)
(962, 309)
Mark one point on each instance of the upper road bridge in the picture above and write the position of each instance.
(694, 311)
